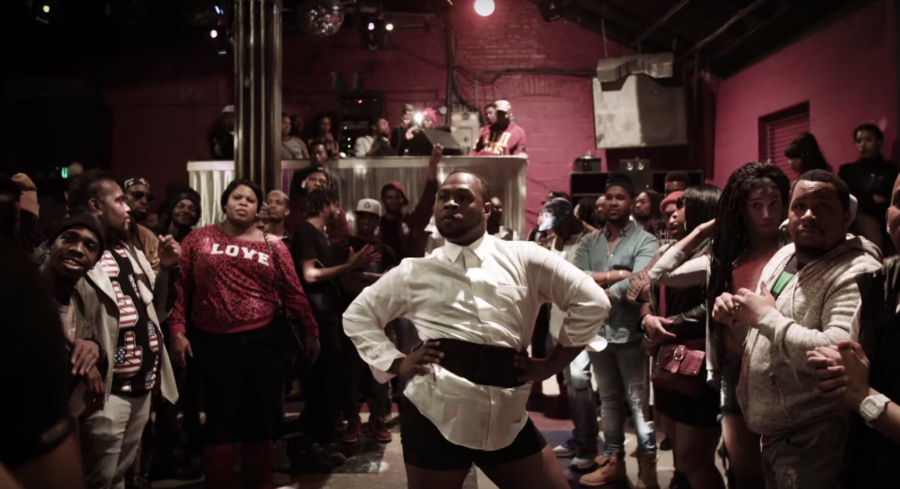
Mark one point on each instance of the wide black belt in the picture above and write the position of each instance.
(481, 364)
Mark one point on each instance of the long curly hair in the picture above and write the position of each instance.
(730, 234)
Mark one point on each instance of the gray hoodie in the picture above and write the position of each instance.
(777, 391)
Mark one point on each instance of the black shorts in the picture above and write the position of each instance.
(424, 446)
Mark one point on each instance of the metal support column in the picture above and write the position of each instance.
(257, 72)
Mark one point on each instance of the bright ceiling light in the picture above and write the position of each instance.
(213, 33)
(389, 27)
(371, 26)
(484, 7)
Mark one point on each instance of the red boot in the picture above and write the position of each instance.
(218, 466)
(257, 459)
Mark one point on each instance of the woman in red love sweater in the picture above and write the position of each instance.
(229, 288)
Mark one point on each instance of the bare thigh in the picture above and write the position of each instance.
(539, 471)
(743, 452)
(417, 478)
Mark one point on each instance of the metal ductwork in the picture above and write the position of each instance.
(637, 103)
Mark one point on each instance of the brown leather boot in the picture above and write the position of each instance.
(647, 471)
(612, 469)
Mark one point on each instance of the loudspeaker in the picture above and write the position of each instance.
(589, 164)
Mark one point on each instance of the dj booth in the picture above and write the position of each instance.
(359, 178)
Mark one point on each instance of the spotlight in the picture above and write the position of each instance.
(46, 11)
(219, 36)
(484, 7)
(373, 31)
(389, 27)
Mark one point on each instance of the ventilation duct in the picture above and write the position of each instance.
(638, 103)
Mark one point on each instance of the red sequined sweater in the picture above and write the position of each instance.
(229, 285)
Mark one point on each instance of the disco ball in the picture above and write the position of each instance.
(321, 21)
(321, 18)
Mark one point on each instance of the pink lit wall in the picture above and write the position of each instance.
(847, 73)
(159, 127)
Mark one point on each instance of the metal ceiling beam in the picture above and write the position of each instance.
(733, 20)
(747, 35)
(661, 21)
(615, 14)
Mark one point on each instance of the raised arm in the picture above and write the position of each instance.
(674, 269)
(366, 318)
(421, 216)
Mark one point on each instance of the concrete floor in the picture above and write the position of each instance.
(387, 471)
(391, 474)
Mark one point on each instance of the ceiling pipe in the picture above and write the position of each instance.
(734, 19)
(660, 22)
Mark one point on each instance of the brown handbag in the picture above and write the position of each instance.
(681, 367)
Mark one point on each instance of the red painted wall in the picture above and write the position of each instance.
(161, 125)
(847, 73)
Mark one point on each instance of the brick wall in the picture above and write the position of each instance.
(161, 125)
(847, 73)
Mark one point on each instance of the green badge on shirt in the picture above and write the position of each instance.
(790, 271)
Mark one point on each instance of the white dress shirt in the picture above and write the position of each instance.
(490, 293)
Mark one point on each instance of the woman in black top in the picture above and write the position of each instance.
(692, 425)
(870, 179)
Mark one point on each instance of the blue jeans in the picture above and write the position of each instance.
(582, 403)
(621, 375)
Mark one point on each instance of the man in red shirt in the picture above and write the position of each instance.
(502, 138)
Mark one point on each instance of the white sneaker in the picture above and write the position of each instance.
(566, 450)
(583, 461)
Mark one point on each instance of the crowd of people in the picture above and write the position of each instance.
(759, 322)
(318, 141)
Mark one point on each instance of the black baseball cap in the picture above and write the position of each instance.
(623, 181)
(82, 220)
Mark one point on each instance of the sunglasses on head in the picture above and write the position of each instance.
(142, 195)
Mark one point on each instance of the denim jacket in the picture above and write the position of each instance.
(632, 252)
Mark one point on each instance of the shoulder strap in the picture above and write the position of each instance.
(274, 267)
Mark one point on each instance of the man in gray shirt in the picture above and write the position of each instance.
(610, 256)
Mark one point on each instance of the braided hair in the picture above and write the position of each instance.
(730, 233)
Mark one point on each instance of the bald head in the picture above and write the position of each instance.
(463, 204)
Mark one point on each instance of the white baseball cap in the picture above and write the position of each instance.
(227, 109)
(371, 206)
(503, 106)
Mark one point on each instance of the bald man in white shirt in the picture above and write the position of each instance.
(474, 302)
